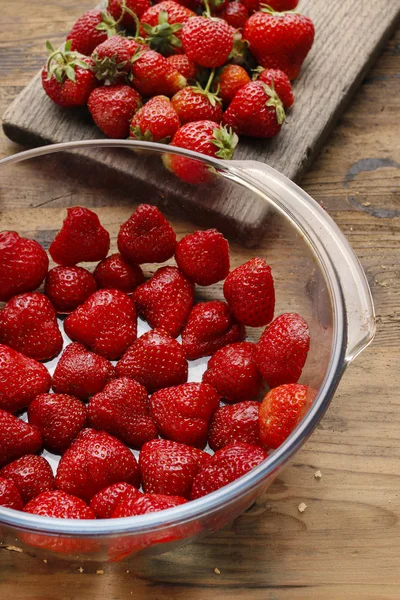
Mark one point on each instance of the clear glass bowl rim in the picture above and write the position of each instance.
(230, 493)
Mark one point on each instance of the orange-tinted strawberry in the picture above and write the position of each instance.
(282, 349)
(155, 360)
(203, 256)
(106, 501)
(31, 474)
(68, 287)
(169, 468)
(59, 505)
(94, 461)
(161, 25)
(156, 121)
(249, 291)
(233, 373)
(235, 14)
(210, 326)
(82, 238)
(280, 82)
(281, 411)
(227, 465)
(255, 111)
(205, 137)
(182, 413)
(112, 60)
(112, 108)
(207, 41)
(235, 423)
(90, 30)
(23, 265)
(280, 40)
(166, 300)
(22, 378)
(59, 418)
(106, 323)
(230, 80)
(153, 75)
(146, 236)
(81, 373)
(114, 272)
(184, 66)
(117, 8)
(17, 438)
(145, 503)
(28, 324)
(121, 409)
(9, 495)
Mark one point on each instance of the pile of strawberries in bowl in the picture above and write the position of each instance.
(122, 414)
(193, 73)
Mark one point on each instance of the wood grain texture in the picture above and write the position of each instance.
(345, 546)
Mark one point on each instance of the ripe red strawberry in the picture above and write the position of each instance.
(156, 121)
(230, 80)
(161, 25)
(146, 236)
(31, 474)
(59, 418)
(280, 40)
(124, 17)
(192, 4)
(106, 501)
(117, 273)
(112, 108)
(202, 136)
(184, 66)
(81, 373)
(183, 413)
(235, 423)
(112, 60)
(153, 75)
(9, 495)
(68, 287)
(253, 5)
(23, 265)
(194, 103)
(68, 77)
(17, 438)
(59, 505)
(210, 326)
(249, 291)
(227, 465)
(281, 5)
(282, 349)
(106, 323)
(145, 503)
(169, 468)
(155, 360)
(94, 461)
(207, 41)
(280, 82)
(233, 373)
(166, 300)
(121, 409)
(281, 411)
(21, 379)
(90, 30)
(203, 256)
(28, 324)
(235, 14)
(82, 238)
(255, 111)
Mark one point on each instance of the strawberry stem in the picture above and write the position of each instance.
(209, 82)
(207, 7)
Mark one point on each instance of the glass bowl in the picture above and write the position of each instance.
(263, 214)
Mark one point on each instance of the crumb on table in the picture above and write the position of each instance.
(302, 507)
(217, 571)
(318, 474)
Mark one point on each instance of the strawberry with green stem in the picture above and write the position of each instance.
(90, 30)
(68, 78)
(153, 75)
(161, 26)
(194, 103)
(156, 121)
(122, 11)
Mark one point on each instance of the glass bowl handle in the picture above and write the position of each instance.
(329, 242)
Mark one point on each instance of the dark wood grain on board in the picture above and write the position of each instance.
(346, 44)
(345, 546)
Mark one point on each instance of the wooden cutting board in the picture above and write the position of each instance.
(349, 35)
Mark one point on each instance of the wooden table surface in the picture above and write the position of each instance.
(346, 545)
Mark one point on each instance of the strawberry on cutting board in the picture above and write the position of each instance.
(156, 121)
(112, 108)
